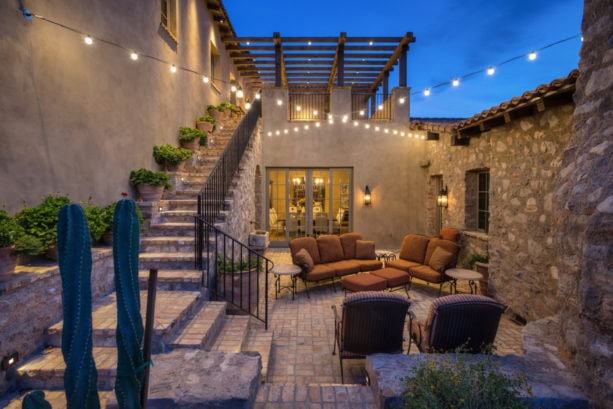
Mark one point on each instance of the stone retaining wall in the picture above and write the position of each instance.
(32, 302)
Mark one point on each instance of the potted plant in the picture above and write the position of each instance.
(40, 222)
(238, 280)
(217, 112)
(479, 263)
(227, 108)
(149, 184)
(171, 158)
(191, 138)
(206, 123)
(10, 232)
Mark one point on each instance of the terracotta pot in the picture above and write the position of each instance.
(219, 116)
(179, 167)
(205, 126)
(150, 193)
(7, 263)
(192, 146)
(484, 269)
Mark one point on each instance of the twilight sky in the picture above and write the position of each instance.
(454, 38)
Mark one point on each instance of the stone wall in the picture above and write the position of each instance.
(32, 302)
(584, 214)
(523, 157)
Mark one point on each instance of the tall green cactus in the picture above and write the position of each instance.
(130, 361)
(75, 260)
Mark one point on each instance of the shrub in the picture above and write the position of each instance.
(452, 382)
(189, 134)
(41, 221)
(96, 221)
(109, 212)
(227, 265)
(10, 231)
(148, 177)
(169, 155)
(29, 245)
(475, 257)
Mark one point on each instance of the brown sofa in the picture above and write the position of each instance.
(331, 256)
(427, 258)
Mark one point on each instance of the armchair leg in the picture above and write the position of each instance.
(306, 287)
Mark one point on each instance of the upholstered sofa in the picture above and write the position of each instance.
(331, 256)
(427, 258)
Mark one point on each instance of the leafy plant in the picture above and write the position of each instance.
(475, 257)
(207, 118)
(29, 245)
(227, 265)
(225, 105)
(452, 382)
(10, 231)
(210, 108)
(144, 176)
(109, 212)
(41, 221)
(187, 134)
(169, 155)
(96, 221)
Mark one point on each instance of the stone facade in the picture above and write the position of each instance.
(584, 214)
(32, 302)
(523, 157)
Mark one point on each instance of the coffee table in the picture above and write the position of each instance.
(290, 270)
(463, 274)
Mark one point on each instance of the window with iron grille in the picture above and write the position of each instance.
(483, 201)
(169, 17)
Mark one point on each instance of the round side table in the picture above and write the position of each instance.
(463, 274)
(290, 270)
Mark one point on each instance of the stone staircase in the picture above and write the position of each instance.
(184, 321)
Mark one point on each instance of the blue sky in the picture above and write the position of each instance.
(454, 37)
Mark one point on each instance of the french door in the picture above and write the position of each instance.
(308, 202)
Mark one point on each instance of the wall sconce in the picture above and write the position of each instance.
(367, 198)
(9, 361)
(442, 200)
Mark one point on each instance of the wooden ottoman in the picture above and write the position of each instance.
(363, 282)
(394, 278)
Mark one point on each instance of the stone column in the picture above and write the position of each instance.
(400, 110)
(340, 102)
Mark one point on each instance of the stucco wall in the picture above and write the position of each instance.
(387, 163)
(76, 119)
(523, 158)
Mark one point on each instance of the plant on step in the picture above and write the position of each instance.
(219, 108)
(109, 213)
(96, 221)
(209, 119)
(450, 381)
(166, 155)
(474, 258)
(41, 221)
(225, 106)
(29, 246)
(187, 135)
(144, 176)
(75, 262)
(129, 334)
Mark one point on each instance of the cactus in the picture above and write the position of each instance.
(75, 261)
(35, 400)
(130, 359)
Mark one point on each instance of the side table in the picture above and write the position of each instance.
(463, 274)
(290, 270)
(385, 255)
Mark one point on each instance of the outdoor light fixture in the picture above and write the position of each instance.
(442, 200)
(9, 361)
(427, 92)
(279, 102)
(401, 100)
(258, 96)
(367, 198)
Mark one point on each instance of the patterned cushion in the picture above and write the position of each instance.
(365, 250)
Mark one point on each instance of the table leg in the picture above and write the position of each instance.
(454, 286)
(293, 286)
(277, 286)
(473, 286)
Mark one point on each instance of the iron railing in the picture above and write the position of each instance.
(371, 106)
(233, 272)
(308, 106)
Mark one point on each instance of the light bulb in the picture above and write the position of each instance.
(88, 40)
(455, 82)
(427, 92)
(258, 96)
(205, 79)
(355, 123)
(279, 102)
(491, 71)
(285, 131)
(314, 112)
(296, 129)
(381, 107)
(345, 118)
(532, 55)
(361, 112)
(395, 132)
(247, 106)
(402, 100)
(370, 43)
(376, 128)
(277, 133)
(134, 56)
(240, 94)
(306, 127)
(269, 133)
(386, 130)
(367, 126)
(173, 68)
(233, 88)
(317, 124)
(298, 108)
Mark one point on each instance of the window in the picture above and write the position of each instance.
(483, 201)
(215, 67)
(169, 17)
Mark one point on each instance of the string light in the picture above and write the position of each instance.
(205, 79)
(427, 92)
(258, 96)
(532, 55)
(491, 70)
(455, 82)
(240, 94)
(134, 56)
(286, 131)
(88, 40)
(233, 88)
(173, 68)
(247, 106)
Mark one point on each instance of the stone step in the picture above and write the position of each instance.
(259, 340)
(177, 216)
(46, 369)
(232, 334)
(185, 204)
(57, 399)
(182, 229)
(203, 328)
(167, 261)
(182, 194)
(172, 310)
(315, 396)
(168, 244)
(173, 280)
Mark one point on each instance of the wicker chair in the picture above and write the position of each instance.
(456, 321)
(372, 322)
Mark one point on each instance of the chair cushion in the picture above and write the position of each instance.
(427, 273)
(365, 250)
(414, 248)
(364, 282)
(401, 264)
(440, 259)
(449, 233)
(348, 241)
(330, 248)
(393, 276)
(307, 243)
(319, 272)
(304, 260)
(369, 265)
(447, 245)
(344, 267)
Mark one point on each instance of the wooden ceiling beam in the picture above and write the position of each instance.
(340, 51)
(408, 38)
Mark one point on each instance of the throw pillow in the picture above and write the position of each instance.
(365, 250)
(304, 260)
(440, 259)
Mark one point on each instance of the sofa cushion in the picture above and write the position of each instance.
(364, 282)
(348, 241)
(330, 248)
(304, 260)
(319, 272)
(427, 273)
(449, 233)
(414, 248)
(344, 267)
(440, 259)
(447, 245)
(401, 264)
(365, 250)
(393, 276)
(369, 265)
(307, 243)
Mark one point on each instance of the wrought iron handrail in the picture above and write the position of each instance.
(234, 272)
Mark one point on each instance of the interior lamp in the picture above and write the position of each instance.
(367, 198)
(442, 200)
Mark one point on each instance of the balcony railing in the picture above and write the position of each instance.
(308, 106)
(371, 106)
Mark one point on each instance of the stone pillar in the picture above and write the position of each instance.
(400, 109)
(584, 215)
(340, 102)
(274, 116)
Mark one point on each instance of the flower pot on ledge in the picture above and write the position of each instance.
(150, 193)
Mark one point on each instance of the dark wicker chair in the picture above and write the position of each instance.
(461, 320)
(371, 322)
